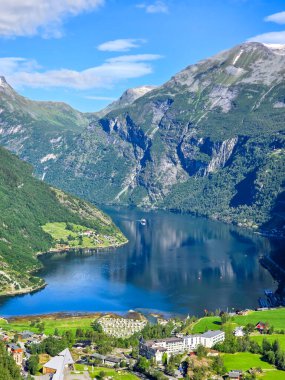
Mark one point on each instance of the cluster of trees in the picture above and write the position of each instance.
(146, 367)
(53, 345)
(271, 353)
(33, 364)
(8, 368)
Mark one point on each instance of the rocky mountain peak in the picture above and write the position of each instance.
(127, 98)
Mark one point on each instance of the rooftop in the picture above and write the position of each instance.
(212, 334)
(59, 362)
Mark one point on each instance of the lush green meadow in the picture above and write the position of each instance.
(271, 338)
(206, 323)
(275, 317)
(273, 375)
(244, 361)
(50, 324)
(73, 236)
(110, 373)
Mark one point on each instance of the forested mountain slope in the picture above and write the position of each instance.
(209, 141)
(36, 131)
(26, 206)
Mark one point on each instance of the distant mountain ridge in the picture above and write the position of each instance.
(210, 141)
(126, 99)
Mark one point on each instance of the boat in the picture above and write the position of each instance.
(143, 222)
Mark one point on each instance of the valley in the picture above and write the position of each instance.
(210, 141)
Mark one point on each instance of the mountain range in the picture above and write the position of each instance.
(210, 141)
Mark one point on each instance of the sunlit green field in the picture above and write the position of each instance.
(271, 339)
(74, 238)
(116, 375)
(244, 361)
(50, 324)
(275, 318)
(273, 375)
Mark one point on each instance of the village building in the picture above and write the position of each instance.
(260, 326)
(235, 375)
(238, 331)
(59, 365)
(207, 339)
(16, 352)
(109, 361)
(26, 334)
(156, 348)
(121, 327)
(178, 345)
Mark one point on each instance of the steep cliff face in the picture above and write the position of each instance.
(193, 144)
(126, 99)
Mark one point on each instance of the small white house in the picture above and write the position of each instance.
(238, 331)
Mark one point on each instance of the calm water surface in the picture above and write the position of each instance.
(176, 263)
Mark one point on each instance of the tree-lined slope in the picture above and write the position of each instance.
(27, 205)
(209, 141)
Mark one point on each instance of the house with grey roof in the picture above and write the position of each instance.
(178, 345)
(59, 365)
(207, 339)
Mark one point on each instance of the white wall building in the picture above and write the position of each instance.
(207, 339)
(178, 345)
(238, 331)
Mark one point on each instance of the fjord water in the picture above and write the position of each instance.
(176, 263)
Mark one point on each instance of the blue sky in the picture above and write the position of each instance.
(87, 52)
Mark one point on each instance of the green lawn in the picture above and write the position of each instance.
(116, 375)
(275, 318)
(62, 324)
(211, 323)
(74, 238)
(271, 339)
(273, 375)
(244, 361)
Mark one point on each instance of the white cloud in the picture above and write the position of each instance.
(121, 44)
(21, 72)
(278, 18)
(270, 38)
(134, 58)
(45, 17)
(156, 7)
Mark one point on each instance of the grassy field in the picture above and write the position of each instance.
(50, 323)
(275, 318)
(273, 375)
(245, 361)
(116, 375)
(206, 323)
(271, 339)
(73, 238)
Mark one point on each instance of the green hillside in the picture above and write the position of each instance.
(30, 213)
(210, 141)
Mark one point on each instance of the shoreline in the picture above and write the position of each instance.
(31, 290)
(77, 249)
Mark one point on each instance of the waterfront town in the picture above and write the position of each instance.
(139, 346)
